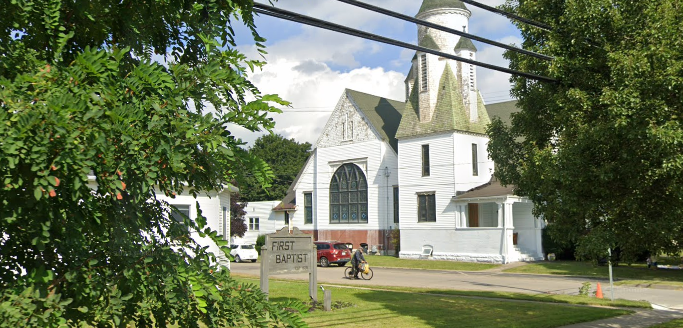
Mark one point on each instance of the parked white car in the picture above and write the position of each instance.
(243, 253)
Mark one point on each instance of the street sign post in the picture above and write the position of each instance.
(286, 252)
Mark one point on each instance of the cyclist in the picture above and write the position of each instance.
(356, 261)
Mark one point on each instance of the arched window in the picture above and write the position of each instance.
(349, 195)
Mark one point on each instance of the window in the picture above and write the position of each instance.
(349, 195)
(347, 127)
(254, 224)
(426, 207)
(475, 164)
(308, 208)
(286, 218)
(425, 160)
(423, 71)
(180, 212)
(395, 204)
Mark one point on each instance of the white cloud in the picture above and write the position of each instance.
(314, 90)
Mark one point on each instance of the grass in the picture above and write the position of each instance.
(671, 324)
(411, 308)
(637, 272)
(546, 298)
(394, 262)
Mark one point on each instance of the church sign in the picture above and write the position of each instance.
(286, 252)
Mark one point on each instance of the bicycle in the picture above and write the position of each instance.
(365, 276)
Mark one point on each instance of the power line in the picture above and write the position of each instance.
(443, 28)
(509, 15)
(303, 19)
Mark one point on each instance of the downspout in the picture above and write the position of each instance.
(387, 173)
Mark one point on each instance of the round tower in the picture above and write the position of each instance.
(450, 13)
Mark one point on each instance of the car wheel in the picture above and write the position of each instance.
(324, 262)
(237, 259)
(253, 261)
(341, 264)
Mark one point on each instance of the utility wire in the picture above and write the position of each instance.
(443, 28)
(303, 19)
(509, 15)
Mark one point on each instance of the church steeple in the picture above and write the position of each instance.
(425, 83)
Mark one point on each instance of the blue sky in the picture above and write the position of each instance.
(311, 67)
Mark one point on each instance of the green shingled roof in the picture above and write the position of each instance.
(450, 113)
(503, 110)
(384, 114)
(428, 42)
(436, 4)
(465, 43)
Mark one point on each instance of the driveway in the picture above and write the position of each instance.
(481, 281)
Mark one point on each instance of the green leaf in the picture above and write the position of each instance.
(38, 193)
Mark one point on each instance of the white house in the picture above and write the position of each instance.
(215, 206)
(260, 219)
(419, 165)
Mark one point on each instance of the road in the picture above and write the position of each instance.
(481, 281)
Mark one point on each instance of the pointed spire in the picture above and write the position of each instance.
(465, 44)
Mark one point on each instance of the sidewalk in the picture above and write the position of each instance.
(642, 318)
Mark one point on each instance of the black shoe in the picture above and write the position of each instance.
(355, 277)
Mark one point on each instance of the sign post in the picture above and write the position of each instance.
(286, 252)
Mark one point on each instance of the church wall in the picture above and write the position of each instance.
(440, 181)
(467, 245)
(462, 161)
(372, 157)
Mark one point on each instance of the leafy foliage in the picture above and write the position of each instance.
(237, 212)
(91, 130)
(601, 152)
(285, 156)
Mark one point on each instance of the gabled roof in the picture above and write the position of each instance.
(493, 188)
(503, 110)
(465, 44)
(384, 114)
(441, 4)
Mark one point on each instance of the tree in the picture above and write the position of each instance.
(600, 152)
(80, 96)
(285, 156)
(237, 225)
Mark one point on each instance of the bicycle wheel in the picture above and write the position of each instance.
(367, 276)
(347, 273)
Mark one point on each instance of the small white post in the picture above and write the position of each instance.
(609, 262)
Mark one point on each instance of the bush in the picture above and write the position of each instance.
(260, 241)
(562, 252)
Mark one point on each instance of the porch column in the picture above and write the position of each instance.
(500, 215)
(538, 224)
(463, 217)
(508, 227)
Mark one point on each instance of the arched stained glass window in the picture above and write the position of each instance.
(348, 195)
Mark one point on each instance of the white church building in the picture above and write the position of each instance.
(420, 165)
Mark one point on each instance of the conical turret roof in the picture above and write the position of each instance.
(439, 4)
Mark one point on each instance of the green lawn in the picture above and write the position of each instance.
(622, 272)
(383, 308)
(394, 262)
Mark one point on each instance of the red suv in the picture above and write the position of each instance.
(332, 252)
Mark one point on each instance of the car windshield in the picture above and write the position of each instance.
(340, 246)
(247, 246)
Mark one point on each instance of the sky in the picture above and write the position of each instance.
(311, 67)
